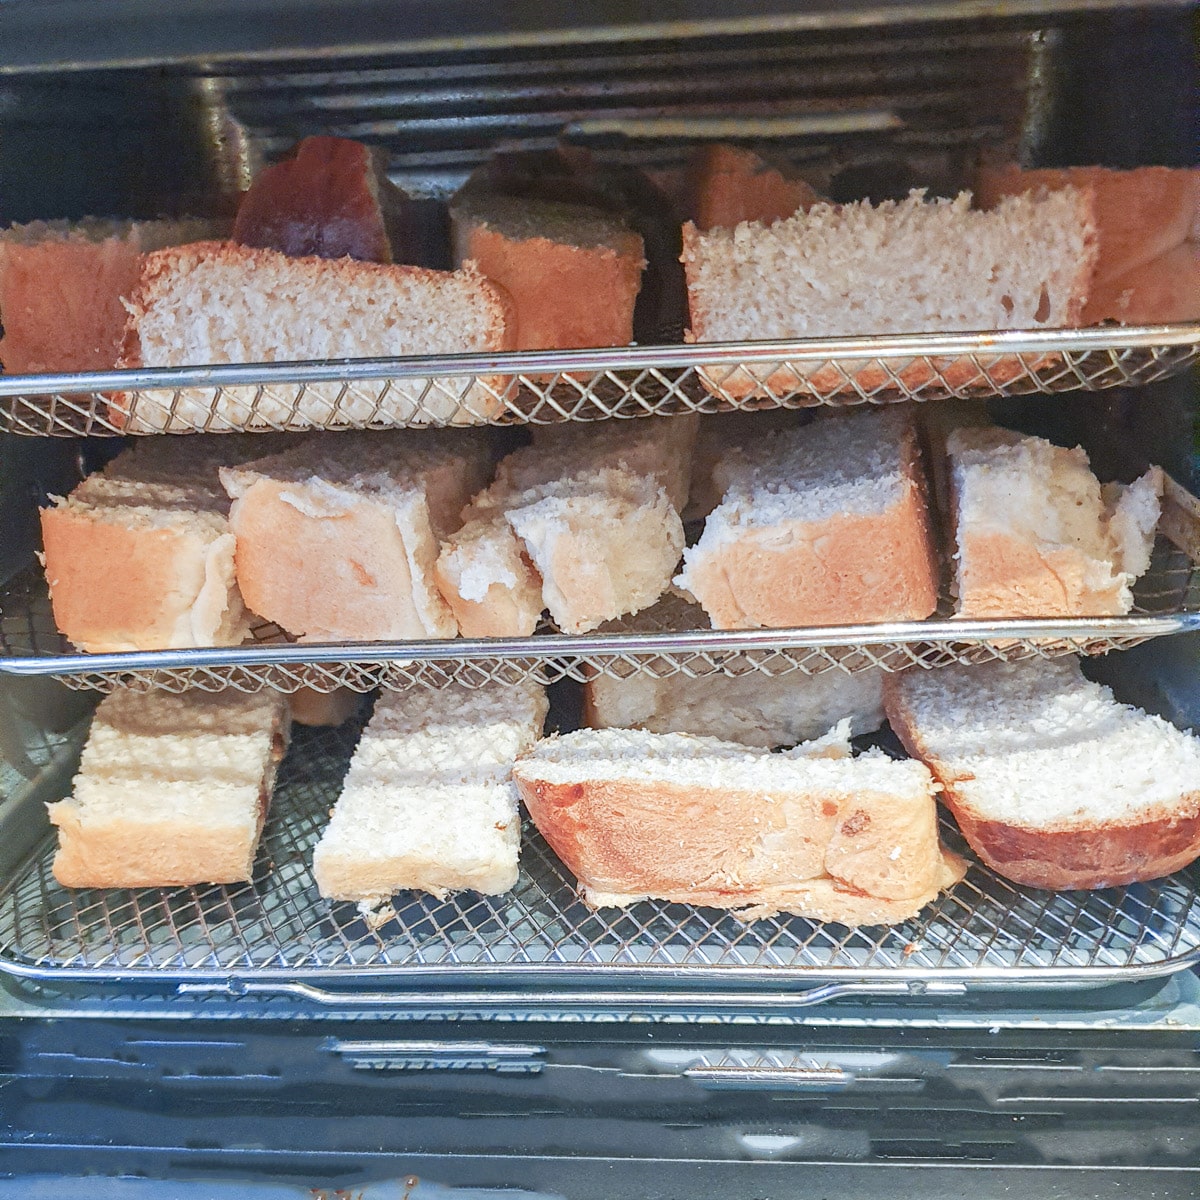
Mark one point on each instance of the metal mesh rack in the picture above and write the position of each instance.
(545, 387)
(669, 639)
(277, 927)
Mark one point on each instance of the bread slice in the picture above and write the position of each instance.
(427, 803)
(218, 302)
(172, 790)
(141, 557)
(1140, 214)
(62, 284)
(584, 523)
(337, 538)
(572, 270)
(1034, 535)
(330, 197)
(1053, 782)
(822, 525)
(728, 185)
(913, 266)
(699, 821)
(752, 708)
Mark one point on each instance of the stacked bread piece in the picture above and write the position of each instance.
(141, 555)
(584, 523)
(428, 802)
(1053, 782)
(171, 790)
(814, 832)
(821, 525)
(62, 287)
(1037, 535)
(337, 537)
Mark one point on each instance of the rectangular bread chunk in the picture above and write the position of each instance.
(1036, 535)
(172, 790)
(911, 266)
(692, 820)
(572, 270)
(62, 284)
(337, 538)
(822, 525)
(584, 522)
(753, 709)
(428, 802)
(218, 302)
(727, 185)
(1053, 782)
(141, 556)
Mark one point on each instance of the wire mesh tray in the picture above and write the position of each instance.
(669, 639)
(985, 930)
(550, 386)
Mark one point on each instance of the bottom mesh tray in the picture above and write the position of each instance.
(985, 930)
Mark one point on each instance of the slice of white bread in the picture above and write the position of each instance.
(753, 709)
(822, 525)
(1148, 267)
(813, 832)
(218, 302)
(1053, 782)
(912, 266)
(572, 270)
(427, 803)
(1036, 536)
(141, 557)
(172, 790)
(62, 284)
(337, 538)
(584, 523)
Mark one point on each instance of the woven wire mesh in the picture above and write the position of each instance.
(672, 638)
(546, 387)
(278, 925)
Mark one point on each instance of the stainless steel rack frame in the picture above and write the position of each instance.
(277, 934)
(545, 387)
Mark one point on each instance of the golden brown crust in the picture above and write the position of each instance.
(145, 605)
(1162, 291)
(727, 185)
(1140, 214)
(1002, 575)
(862, 857)
(1060, 857)
(844, 570)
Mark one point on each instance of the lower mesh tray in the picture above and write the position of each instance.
(985, 930)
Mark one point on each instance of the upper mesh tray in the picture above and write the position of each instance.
(545, 387)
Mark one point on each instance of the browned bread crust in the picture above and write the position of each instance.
(727, 185)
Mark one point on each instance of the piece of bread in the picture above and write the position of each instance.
(913, 266)
(428, 803)
(330, 197)
(813, 832)
(1034, 534)
(727, 185)
(822, 525)
(337, 538)
(62, 284)
(1140, 214)
(752, 708)
(172, 790)
(584, 523)
(573, 271)
(1147, 268)
(1053, 783)
(218, 302)
(141, 556)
